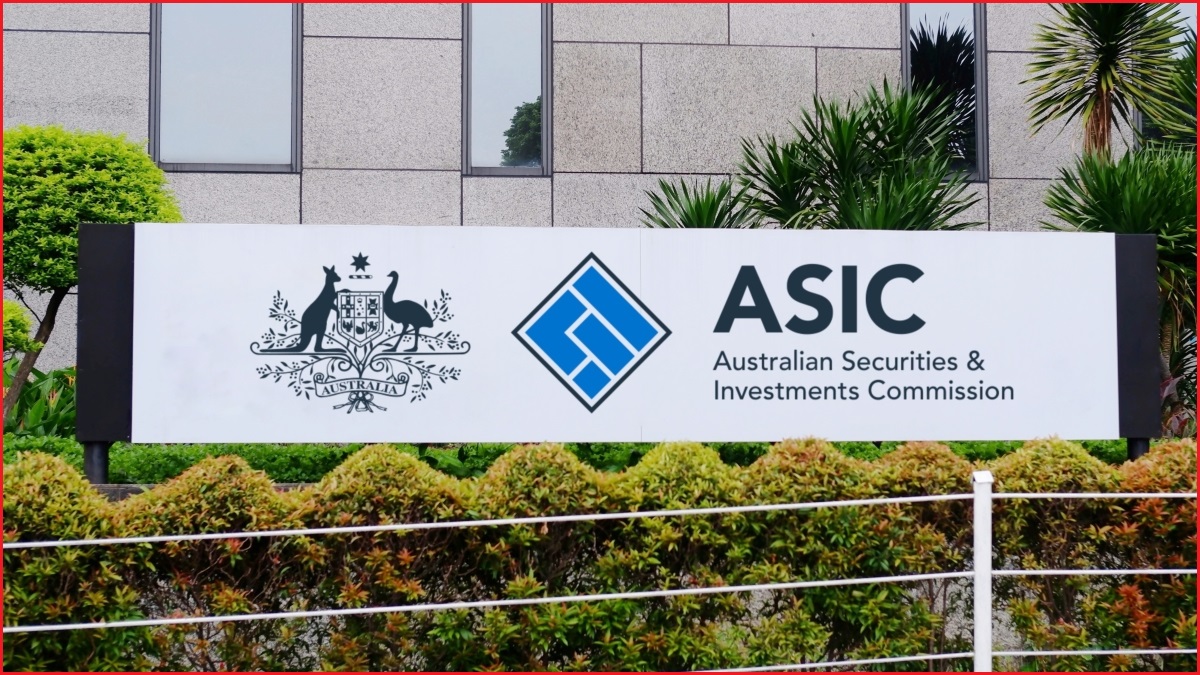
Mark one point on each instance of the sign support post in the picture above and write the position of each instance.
(104, 339)
(95, 462)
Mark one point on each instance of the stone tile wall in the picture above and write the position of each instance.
(641, 92)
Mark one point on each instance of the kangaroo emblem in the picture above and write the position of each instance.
(343, 348)
(315, 320)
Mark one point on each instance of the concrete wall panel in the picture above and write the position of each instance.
(700, 101)
(88, 81)
(416, 20)
(237, 197)
(495, 200)
(382, 104)
(607, 200)
(597, 107)
(113, 17)
(677, 23)
(382, 197)
(816, 24)
(843, 74)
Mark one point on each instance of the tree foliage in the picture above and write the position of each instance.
(16, 330)
(1101, 61)
(523, 139)
(56, 179)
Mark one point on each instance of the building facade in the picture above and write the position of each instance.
(377, 107)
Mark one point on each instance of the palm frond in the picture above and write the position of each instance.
(883, 161)
(1100, 61)
(706, 206)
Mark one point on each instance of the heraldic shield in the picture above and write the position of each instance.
(360, 315)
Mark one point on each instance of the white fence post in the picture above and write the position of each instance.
(982, 481)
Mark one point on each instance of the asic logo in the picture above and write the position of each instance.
(591, 332)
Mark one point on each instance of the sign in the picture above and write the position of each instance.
(287, 333)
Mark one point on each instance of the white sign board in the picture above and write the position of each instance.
(290, 333)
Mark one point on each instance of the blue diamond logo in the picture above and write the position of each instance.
(591, 332)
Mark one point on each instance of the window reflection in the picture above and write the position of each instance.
(941, 43)
(225, 83)
(505, 88)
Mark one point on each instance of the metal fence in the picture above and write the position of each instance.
(981, 575)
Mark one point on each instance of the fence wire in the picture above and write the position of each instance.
(979, 575)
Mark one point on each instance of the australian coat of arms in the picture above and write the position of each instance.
(354, 345)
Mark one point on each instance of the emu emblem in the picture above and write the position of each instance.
(358, 348)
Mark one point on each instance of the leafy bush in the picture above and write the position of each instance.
(883, 161)
(217, 577)
(1173, 119)
(382, 484)
(1111, 612)
(142, 464)
(46, 499)
(698, 206)
(292, 463)
(46, 406)
(67, 449)
(16, 330)
(890, 160)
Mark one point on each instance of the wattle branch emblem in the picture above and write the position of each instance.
(356, 345)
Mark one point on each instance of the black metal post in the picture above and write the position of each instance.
(95, 461)
(1137, 447)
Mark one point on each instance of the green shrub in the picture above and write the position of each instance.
(740, 454)
(218, 577)
(46, 499)
(610, 456)
(881, 162)
(384, 484)
(142, 464)
(67, 449)
(44, 407)
(700, 206)
(1111, 612)
(16, 330)
(381, 484)
(291, 463)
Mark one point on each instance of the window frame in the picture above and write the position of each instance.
(547, 78)
(980, 173)
(225, 167)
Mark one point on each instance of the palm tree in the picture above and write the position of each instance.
(1097, 60)
(883, 162)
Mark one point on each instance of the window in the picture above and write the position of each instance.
(225, 87)
(506, 89)
(945, 48)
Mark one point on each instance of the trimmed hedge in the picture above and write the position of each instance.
(308, 463)
(45, 499)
